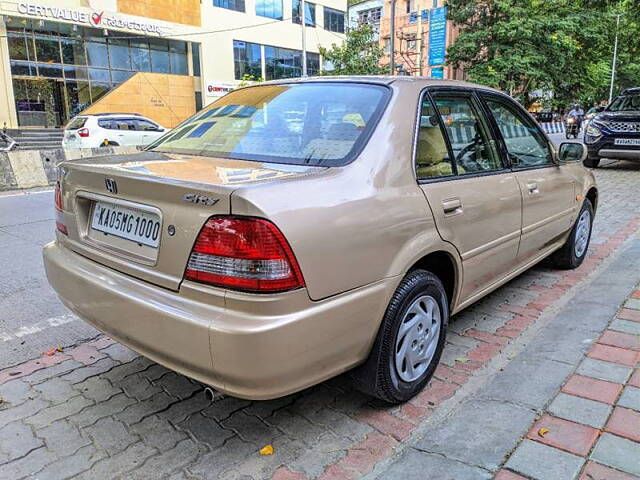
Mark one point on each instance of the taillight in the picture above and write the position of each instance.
(62, 228)
(243, 254)
(83, 132)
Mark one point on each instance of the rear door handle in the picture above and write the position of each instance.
(452, 206)
(533, 188)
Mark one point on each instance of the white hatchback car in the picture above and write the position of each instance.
(110, 130)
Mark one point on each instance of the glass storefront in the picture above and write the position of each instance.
(59, 69)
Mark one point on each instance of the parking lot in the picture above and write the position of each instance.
(97, 410)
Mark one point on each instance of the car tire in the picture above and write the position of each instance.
(387, 373)
(591, 162)
(574, 251)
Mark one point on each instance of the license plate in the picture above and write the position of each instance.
(627, 141)
(135, 225)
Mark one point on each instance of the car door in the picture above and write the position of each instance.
(149, 131)
(474, 198)
(548, 191)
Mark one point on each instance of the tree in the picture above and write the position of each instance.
(360, 54)
(524, 46)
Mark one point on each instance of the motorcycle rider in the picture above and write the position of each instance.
(574, 121)
(577, 113)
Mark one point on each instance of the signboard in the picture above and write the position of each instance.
(437, 36)
(94, 19)
(218, 89)
(437, 72)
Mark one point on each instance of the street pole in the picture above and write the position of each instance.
(615, 58)
(392, 33)
(303, 22)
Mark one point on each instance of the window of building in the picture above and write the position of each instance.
(97, 55)
(269, 8)
(333, 20)
(282, 63)
(88, 62)
(310, 12)
(313, 64)
(410, 5)
(247, 60)
(371, 16)
(195, 55)
(119, 54)
(237, 5)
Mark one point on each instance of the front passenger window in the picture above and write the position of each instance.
(525, 144)
(472, 147)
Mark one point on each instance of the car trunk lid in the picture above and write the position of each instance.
(108, 199)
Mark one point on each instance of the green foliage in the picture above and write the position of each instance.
(562, 46)
(248, 79)
(360, 54)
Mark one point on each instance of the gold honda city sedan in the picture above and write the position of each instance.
(295, 230)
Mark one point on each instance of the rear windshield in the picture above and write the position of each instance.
(303, 124)
(76, 123)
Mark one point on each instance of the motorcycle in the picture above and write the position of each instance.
(572, 127)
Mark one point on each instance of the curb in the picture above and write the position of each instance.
(24, 169)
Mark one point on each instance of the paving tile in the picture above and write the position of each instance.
(595, 471)
(625, 422)
(626, 326)
(413, 464)
(590, 367)
(110, 435)
(632, 303)
(17, 439)
(620, 339)
(629, 314)
(563, 434)
(497, 427)
(542, 462)
(515, 381)
(62, 438)
(581, 410)
(592, 388)
(618, 452)
(635, 379)
(508, 475)
(614, 354)
(630, 398)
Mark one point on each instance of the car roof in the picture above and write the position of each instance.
(631, 90)
(118, 114)
(399, 81)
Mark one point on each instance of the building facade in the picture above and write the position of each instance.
(422, 35)
(160, 58)
(367, 12)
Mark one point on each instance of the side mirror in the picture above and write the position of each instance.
(571, 152)
(600, 109)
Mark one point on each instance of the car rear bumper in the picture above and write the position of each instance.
(247, 345)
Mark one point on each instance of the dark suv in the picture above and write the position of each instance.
(615, 132)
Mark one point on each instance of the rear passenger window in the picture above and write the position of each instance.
(432, 154)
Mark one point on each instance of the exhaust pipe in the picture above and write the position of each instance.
(210, 394)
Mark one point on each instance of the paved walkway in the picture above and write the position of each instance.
(99, 411)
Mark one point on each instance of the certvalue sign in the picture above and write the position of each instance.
(95, 19)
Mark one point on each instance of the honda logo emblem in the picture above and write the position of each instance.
(110, 183)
